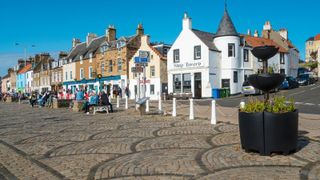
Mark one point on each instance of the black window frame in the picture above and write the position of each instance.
(176, 52)
(110, 64)
(282, 59)
(235, 77)
(233, 50)
(195, 52)
(245, 54)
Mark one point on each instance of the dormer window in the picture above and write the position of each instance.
(81, 59)
(90, 57)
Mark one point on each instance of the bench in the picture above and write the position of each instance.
(100, 109)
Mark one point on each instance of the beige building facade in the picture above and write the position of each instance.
(312, 48)
(155, 73)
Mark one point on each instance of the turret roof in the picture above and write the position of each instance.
(226, 27)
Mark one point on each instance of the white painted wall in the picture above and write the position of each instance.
(230, 64)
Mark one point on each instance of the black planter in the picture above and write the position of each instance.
(264, 52)
(266, 82)
(251, 131)
(269, 132)
(281, 132)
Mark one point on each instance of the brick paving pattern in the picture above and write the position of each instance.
(60, 144)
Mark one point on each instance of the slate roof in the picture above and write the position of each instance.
(6, 76)
(76, 51)
(94, 46)
(83, 50)
(206, 38)
(310, 39)
(226, 26)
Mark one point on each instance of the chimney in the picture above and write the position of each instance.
(111, 33)
(140, 30)
(145, 39)
(256, 33)
(267, 26)
(75, 41)
(249, 32)
(90, 37)
(186, 22)
(284, 33)
(62, 54)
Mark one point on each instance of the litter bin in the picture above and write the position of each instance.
(227, 92)
(222, 93)
(215, 94)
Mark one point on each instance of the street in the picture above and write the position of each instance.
(43, 143)
(307, 98)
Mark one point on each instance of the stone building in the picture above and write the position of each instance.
(57, 72)
(113, 59)
(312, 48)
(41, 72)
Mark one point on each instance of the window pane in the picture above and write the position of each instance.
(177, 83)
(186, 83)
(176, 56)
(151, 89)
(197, 52)
(152, 71)
(231, 48)
(110, 65)
(235, 76)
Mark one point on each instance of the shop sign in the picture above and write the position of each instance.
(187, 65)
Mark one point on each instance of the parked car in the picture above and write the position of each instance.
(289, 83)
(306, 79)
(248, 89)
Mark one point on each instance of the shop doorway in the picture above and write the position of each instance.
(197, 85)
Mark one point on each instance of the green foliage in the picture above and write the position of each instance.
(310, 65)
(253, 105)
(278, 104)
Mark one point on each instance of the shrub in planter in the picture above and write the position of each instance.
(269, 127)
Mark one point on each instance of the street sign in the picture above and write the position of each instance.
(144, 54)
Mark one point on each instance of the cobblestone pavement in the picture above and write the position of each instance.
(60, 144)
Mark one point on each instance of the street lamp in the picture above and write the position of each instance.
(25, 51)
(99, 77)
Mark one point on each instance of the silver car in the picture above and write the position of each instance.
(247, 89)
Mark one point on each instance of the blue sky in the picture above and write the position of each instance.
(51, 25)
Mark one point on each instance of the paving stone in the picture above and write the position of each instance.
(256, 173)
(171, 161)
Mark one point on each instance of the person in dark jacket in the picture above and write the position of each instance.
(105, 100)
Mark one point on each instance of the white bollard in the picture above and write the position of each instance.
(191, 114)
(126, 102)
(118, 102)
(174, 108)
(147, 106)
(213, 113)
(160, 103)
(242, 104)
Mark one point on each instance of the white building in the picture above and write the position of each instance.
(156, 82)
(199, 61)
(29, 81)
